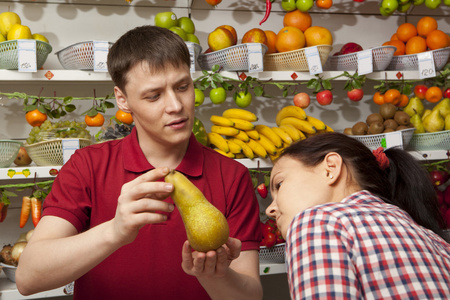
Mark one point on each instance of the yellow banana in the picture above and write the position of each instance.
(224, 130)
(240, 114)
(246, 150)
(242, 124)
(227, 154)
(253, 134)
(301, 125)
(293, 132)
(320, 125)
(283, 135)
(221, 121)
(239, 155)
(242, 136)
(257, 148)
(290, 111)
(234, 147)
(267, 144)
(329, 129)
(270, 134)
(218, 141)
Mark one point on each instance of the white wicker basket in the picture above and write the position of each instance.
(8, 152)
(234, 58)
(381, 57)
(50, 153)
(374, 141)
(275, 254)
(411, 62)
(293, 60)
(79, 56)
(9, 54)
(430, 141)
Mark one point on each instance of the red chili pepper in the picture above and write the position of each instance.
(268, 9)
(25, 212)
(262, 190)
(36, 206)
(3, 212)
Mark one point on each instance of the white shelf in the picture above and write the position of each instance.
(27, 172)
(271, 269)
(8, 291)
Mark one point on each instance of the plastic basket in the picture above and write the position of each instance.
(79, 56)
(381, 57)
(8, 152)
(374, 141)
(197, 50)
(9, 54)
(50, 153)
(411, 62)
(234, 58)
(10, 271)
(275, 254)
(430, 141)
(293, 60)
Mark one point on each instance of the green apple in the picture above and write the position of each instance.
(447, 2)
(218, 95)
(166, 19)
(186, 24)
(179, 32)
(18, 32)
(433, 4)
(39, 37)
(389, 6)
(243, 99)
(418, 2)
(288, 5)
(192, 38)
(199, 97)
(404, 7)
(304, 5)
(7, 20)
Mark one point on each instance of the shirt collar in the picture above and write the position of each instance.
(135, 160)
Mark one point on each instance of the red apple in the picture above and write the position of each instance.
(447, 93)
(302, 100)
(255, 35)
(350, 48)
(22, 158)
(324, 97)
(355, 95)
(420, 91)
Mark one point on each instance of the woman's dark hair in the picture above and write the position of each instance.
(405, 183)
(158, 47)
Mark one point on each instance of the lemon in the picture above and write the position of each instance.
(39, 37)
(18, 32)
(7, 20)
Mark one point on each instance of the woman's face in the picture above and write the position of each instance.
(295, 188)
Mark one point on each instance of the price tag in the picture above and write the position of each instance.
(101, 49)
(394, 139)
(365, 62)
(68, 148)
(313, 59)
(191, 49)
(26, 55)
(255, 57)
(426, 65)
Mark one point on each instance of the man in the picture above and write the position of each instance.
(108, 222)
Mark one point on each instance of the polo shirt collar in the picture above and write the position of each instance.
(134, 159)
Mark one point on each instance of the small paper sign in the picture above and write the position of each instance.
(426, 65)
(68, 147)
(313, 59)
(365, 62)
(191, 49)
(394, 139)
(101, 49)
(26, 55)
(255, 57)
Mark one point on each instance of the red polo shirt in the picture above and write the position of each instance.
(85, 193)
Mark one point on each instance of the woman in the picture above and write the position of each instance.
(357, 224)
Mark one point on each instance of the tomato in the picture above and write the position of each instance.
(355, 95)
(266, 229)
(447, 93)
(420, 91)
(270, 240)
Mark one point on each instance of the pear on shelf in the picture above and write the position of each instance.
(434, 122)
(443, 106)
(416, 120)
(206, 227)
(415, 106)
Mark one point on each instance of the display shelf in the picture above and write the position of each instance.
(28, 172)
(270, 269)
(8, 291)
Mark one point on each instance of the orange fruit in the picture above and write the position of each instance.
(94, 121)
(406, 31)
(297, 18)
(433, 94)
(394, 37)
(436, 39)
(416, 44)
(399, 45)
(404, 100)
(289, 38)
(426, 25)
(392, 96)
(324, 4)
(378, 98)
(318, 35)
(124, 117)
(232, 30)
(271, 39)
(35, 117)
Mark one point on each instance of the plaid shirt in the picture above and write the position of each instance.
(364, 248)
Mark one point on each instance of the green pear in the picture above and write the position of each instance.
(206, 227)
(447, 122)
(416, 120)
(443, 106)
(415, 106)
(434, 122)
(426, 113)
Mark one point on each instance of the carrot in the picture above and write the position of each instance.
(25, 212)
(36, 206)
(3, 212)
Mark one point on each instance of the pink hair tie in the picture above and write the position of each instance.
(381, 157)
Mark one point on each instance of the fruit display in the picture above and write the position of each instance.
(61, 129)
(182, 26)
(429, 120)
(10, 254)
(11, 28)
(388, 7)
(271, 234)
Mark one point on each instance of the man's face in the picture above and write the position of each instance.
(161, 102)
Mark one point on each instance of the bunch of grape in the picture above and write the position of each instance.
(60, 129)
(117, 132)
